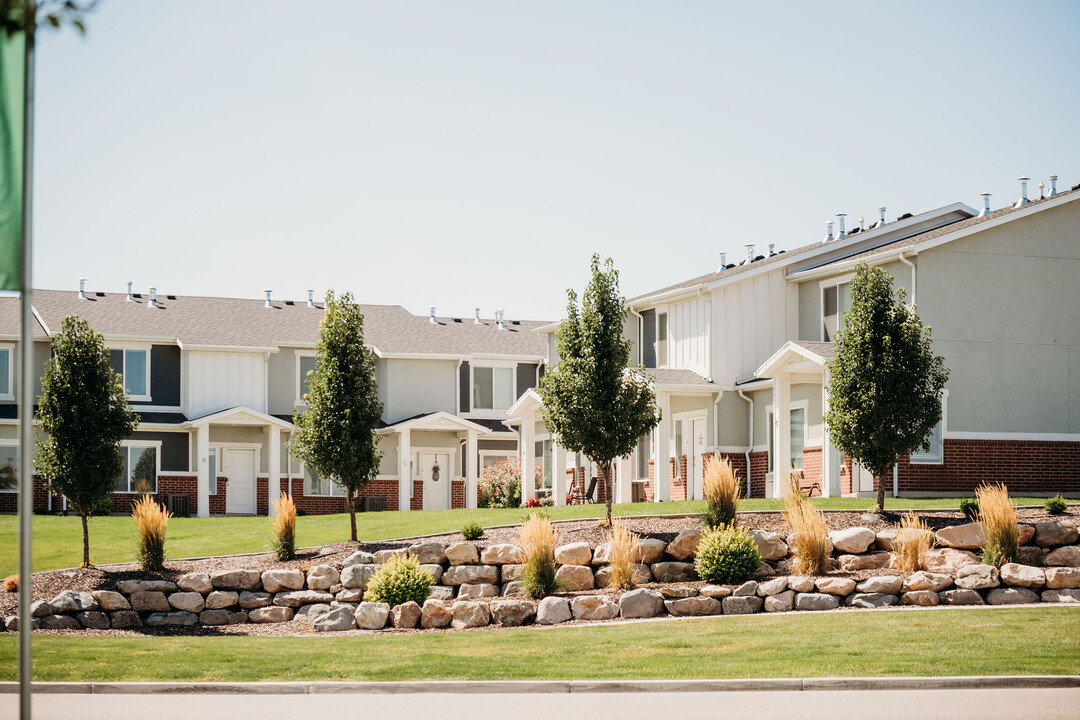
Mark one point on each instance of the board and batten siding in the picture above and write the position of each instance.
(220, 380)
(751, 320)
(688, 335)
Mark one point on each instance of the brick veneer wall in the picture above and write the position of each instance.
(9, 501)
(1027, 467)
(812, 470)
(759, 467)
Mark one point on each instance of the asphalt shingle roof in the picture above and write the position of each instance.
(666, 376)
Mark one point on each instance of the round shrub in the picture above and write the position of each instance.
(398, 581)
(727, 555)
(1056, 505)
(970, 508)
(472, 531)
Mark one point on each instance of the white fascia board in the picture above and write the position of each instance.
(157, 408)
(227, 348)
(40, 319)
(160, 340)
(687, 389)
(529, 399)
(546, 329)
(163, 427)
(761, 384)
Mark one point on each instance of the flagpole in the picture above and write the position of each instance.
(26, 387)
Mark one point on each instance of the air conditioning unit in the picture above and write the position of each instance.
(376, 503)
(177, 505)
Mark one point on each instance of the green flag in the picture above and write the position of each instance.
(12, 67)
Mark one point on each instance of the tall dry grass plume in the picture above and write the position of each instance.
(283, 527)
(151, 519)
(997, 515)
(812, 534)
(623, 553)
(913, 541)
(722, 491)
(538, 541)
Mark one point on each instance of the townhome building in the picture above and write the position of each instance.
(740, 357)
(216, 381)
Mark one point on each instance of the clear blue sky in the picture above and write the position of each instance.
(476, 153)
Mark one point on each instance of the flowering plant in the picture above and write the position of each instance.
(500, 484)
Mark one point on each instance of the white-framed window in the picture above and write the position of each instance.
(305, 367)
(212, 461)
(661, 340)
(493, 457)
(798, 427)
(835, 303)
(135, 370)
(644, 453)
(142, 464)
(315, 485)
(9, 467)
(493, 387)
(544, 459)
(935, 454)
(7, 372)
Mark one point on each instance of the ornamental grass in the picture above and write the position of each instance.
(151, 519)
(722, 491)
(808, 523)
(283, 527)
(997, 515)
(913, 541)
(623, 553)
(538, 541)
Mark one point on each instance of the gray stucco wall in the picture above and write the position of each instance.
(419, 386)
(281, 376)
(810, 298)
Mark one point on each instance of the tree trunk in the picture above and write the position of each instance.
(85, 539)
(609, 487)
(881, 490)
(351, 507)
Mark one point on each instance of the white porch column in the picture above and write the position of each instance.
(275, 468)
(624, 486)
(559, 486)
(781, 432)
(404, 469)
(662, 461)
(471, 475)
(528, 456)
(830, 456)
(202, 454)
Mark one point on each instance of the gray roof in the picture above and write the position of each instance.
(665, 376)
(826, 350)
(239, 322)
(9, 319)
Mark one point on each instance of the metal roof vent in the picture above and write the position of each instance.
(129, 297)
(433, 320)
(723, 262)
(1042, 188)
(1053, 185)
(881, 220)
(828, 231)
(772, 249)
(311, 298)
(843, 233)
(476, 319)
(862, 223)
(1023, 193)
(986, 204)
(152, 303)
(749, 255)
(269, 302)
(502, 322)
(82, 288)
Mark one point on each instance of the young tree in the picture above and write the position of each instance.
(336, 434)
(885, 389)
(84, 413)
(596, 403)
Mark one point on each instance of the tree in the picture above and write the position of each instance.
(596, 403)
(885, 389)
(84, 412)
(336, 434)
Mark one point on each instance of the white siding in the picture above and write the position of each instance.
(688, 334)
(750, 321)
(221, 380)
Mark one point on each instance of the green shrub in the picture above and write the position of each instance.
(970, 508)
(727, 555)
(538, 540)
(500, 485)
(101, 507)
(1056, 505)
(399, 580)
(472, 531)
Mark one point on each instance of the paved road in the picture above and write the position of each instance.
(1046, 704)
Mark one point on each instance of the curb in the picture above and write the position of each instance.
(976, 682)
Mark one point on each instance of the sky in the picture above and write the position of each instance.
(464, 154)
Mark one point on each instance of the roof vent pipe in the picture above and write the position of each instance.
(772, 249)
(986, 204)
(723, 262)
(433, 320)
(130, 297)
(499, 317)
(477, 320)
(862, 223)
(843, 233)
(82, 288)
(1023, 193)
(311, 298)
(882, 220)
(828, 231)
(749, 253)
(152, 303)
(1053, 185)
(269, 302)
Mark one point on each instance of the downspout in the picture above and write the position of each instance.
(750, 439)
(640, 331)
(716, 421)
(914, 279)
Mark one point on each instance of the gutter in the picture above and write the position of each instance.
(640, 333)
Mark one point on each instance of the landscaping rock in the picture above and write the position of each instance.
(179, 619)
(371, 615)
(428, 553)
(308, 613)
(673, 572)
(187, 601)
(881, 584)
(684, 546)
(1062, 577)
(236, 580)
(472, 614)
(816, 601)
(358, 576)
(502, 554)
(251, 600)
(513, 588)
(693, 606)
(60, 622)
(472, 574)
(853, 540)
(149, 601)
(602, 554)
(441, 592)
(1055, 532)
(923, 580)
(434, 614)
(640, 603)
(1027, 532)
(381, 556)
(462, 553)
(93, 620)
(677, 591)
(772, 587)
(274, 581)
(871, 600)
(748, 588)
(12, 623)
(801, 583)
(552, 611)
(406, 615)
(1022, 575)
(512, 612)
(72, 601)
(1011, 596)
(576, 553)
(133, 586)
(949, 560)
(594, 607)
(1030, 555)
(106, 599)
(1068, 556)
(741, 605)
(195, 582)
(220, 599)
(238, 617)
(575, 578)
(835, 586)
(649, 550)
(969, 536)
(511, 572)
(470, 591)
(358, 558)
(214, 617)
(296, 598)
(763, 572)
(639, 575)
(780, 602)
(435, 571)
(1071, 595)
(271, 614)
(886, 539)
(869, 561)
(771, 546)
(718, 592)
(960, 597)
(977, 577)
(124, 619)
(920, 597)
(334, 605)
(320, 577)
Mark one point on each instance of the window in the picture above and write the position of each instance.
(543, 459)
(306, 364)
(835, 303)
(212, 470)
(7, 381)
(797, 437)
(140, 470)
(316, 485)
(935, 454)
(661, 340)
(644, 450)
(488, 458)
(137, 374)
(493, 388)
(9, 468)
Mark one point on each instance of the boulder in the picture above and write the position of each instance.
(772, 587)
(801, 583)
(434, 614)
(106, 599)
(1022, 575)
(214, 617)
(237, 579)
(435, 571)
(869, 561)
(320, 577)
(771, 546)
(133, 586)
(177, 619)
(949, 560)
(747, 589)
(575, 578)
(195, 582)
(124, 619)
(977, 577)
(1055, 532)
(886, 539)
(649, 550)
(871, 600)
(513, 588)
(472, 574)
(406, 615)
(358, 558)
(149, 601)
(961, 596)
(371, 615)
(763, 572)
(358, 576)
(697, 605)
(11, 622)
(251, 600)
(793, 542)
(684, 546)
(219, 599)
(1030, 555)
(512, 612)
(471, 614)
(835, 586)
(881, 584)
(969, 536)
(238, 617)
(61, 622)
(337, 604)
(576, 553)
(920, 597)
(511, 572)
(552, 611)
(1062, 577)
(274, 581)
(381, 556)
(470, 591)
(462, 553)
(673, 572)
(502, 554)
(1065, 595)
(1027, 532)
(718, 592)
(93, 620)
(191, 602)
(428, 553)
(271, 614)
(741, 605)
(72, 601)
(296, 598)
(923, 580)
(308, 613)
(853, 541)
(816, 601)
(640, 603)
(780, 602)
(677, 591)
(602, 554)
(1067, 556)
(1011, 596)
(441, 592)
(594, 607)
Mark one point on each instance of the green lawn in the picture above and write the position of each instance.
(58, 540)
(952, 641)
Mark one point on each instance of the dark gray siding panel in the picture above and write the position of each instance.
(465, 389)
(648, 321)
(165, 375)
(116, 360)
(526, 377)
(174, 449)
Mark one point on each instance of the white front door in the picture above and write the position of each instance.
(240, 492)
(699, 466)
(865, 479)
(436, 472)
